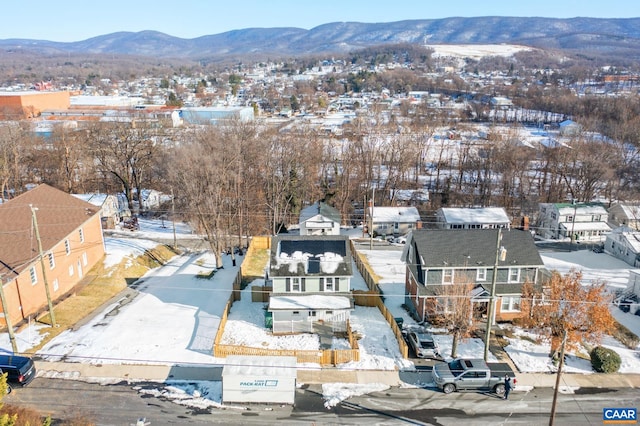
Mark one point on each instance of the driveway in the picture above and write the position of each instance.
(172, 317)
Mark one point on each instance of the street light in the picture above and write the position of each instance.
(501, 255)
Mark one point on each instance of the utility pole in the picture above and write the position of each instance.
(373, 195)
(559, 373)
(7, 318)
(173, 219)
(44, 273)
(573, 223)
(501, 254)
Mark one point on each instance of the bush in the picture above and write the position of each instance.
(605, 360)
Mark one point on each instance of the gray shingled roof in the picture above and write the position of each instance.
(320, 208)
(470, 247)
(312, 246)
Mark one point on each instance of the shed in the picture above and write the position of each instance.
(261, 379)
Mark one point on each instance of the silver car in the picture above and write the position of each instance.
(424, 345)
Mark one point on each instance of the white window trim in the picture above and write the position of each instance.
(52, 261)
(512, 300)
(296, 287)
(81, 235)
(448, 273)
(517, 280)
(67, 247)
(33, 275)
(329, 284)
(481, 274)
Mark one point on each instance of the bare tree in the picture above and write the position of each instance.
(123, 152)
(452, 309)
(12, 159)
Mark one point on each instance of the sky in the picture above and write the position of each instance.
(76, 20)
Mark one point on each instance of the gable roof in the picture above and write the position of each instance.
(306, 255)
(455, 215)
(395, 214)
(58, 214)
(472, 248)
(320, 208)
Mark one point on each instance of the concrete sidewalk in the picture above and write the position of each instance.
(114, 373)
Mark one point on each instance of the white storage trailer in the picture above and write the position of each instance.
(262, 379)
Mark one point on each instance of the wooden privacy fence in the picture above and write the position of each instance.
(364, 269)
(372, 298)
(321, 356)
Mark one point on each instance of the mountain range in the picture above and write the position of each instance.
(608, 36)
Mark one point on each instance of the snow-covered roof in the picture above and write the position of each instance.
(630, 235)
(293, 255)
(495, 215)
(412, 194)
(322, 209)
(95, 199)
(395, 214)
(586, 226)
(580, 209)
(314, 301)
(631, 212)
(260, 366)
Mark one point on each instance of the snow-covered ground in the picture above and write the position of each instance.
(141, 331)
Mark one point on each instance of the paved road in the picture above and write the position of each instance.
(122, 404)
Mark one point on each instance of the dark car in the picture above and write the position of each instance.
(20, 369)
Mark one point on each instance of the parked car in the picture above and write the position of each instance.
(20, 369)
(625, 305)
(471, 374)
(424, 345)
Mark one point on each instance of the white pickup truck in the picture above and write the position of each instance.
(471, 374)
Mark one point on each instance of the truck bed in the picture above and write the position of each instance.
(500, 369)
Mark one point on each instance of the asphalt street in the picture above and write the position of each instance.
(123, 403)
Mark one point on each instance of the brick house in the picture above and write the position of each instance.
(439, 258)
(72, 243)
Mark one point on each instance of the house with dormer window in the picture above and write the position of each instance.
(311, 282)
(320, 219)
(439, 259)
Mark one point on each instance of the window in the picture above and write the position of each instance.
(84, 259)
(52, 261)
(295, 284)
(514, 275)
(67, 247)
(510, 304)
(481, 274)
(328, 284)
(81, 234)
(312, 313)
(56, 285)
(70, 270)
(447, 276)
(569, 218)
(34, 275)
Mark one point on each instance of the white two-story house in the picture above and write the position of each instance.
(311, 281)
(573, 221)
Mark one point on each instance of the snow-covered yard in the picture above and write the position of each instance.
(140, 332)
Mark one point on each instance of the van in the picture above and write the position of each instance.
(20, 369)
